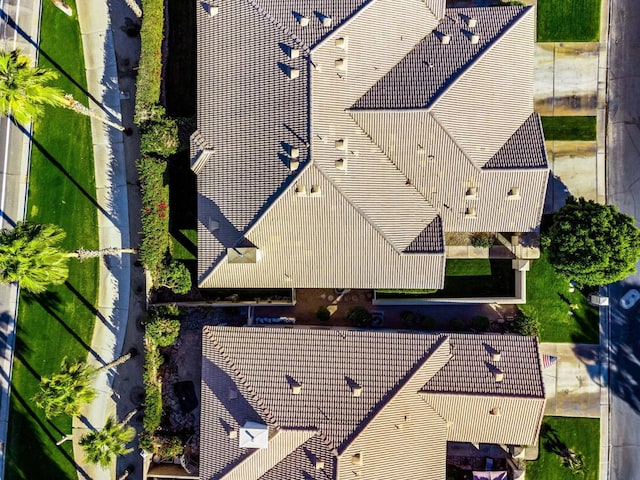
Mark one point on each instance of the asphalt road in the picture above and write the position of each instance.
(623, 190)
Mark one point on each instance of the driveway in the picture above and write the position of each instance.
(572, 384)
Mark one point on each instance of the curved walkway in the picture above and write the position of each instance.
(113, 220)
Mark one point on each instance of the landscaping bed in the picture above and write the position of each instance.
(568, 20)
(569, 128)
(581, 435)
(563, 315)
(60, 322)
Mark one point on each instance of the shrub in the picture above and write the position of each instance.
(427, 322)
(456, 324)
(323, 313)
(154, 246)
(525, 325)
(482, 240)
(359, 317)
(150, 66)
(162, 325)
(175, 276)
(152, 408)
(158, 132)
(409, 319)
(480, 323)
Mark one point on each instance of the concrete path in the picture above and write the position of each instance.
(113, 220)
(572, 385)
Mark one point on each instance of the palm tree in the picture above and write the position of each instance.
(111, 441)
(31, 255)
(23, 89)
(66, 391)
(69, 389)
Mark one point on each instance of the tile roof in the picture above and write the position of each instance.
(433, 66)
(402, 172)
(525, 148)
(397, 401)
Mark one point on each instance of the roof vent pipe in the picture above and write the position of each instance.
(326, 21)
(213, 11)
(294, 73)
(294, 53)
(496, 356)
(303, 21)
(445, 39)
(341, 43)
(498, 375)
(472, 22)
(296, 389)
(319, 464)
(475, 39)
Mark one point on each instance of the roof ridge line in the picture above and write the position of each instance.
(455, 142)
(467, 66)
(275, 22)
(253, 395)
(256, 221)
(397, 390)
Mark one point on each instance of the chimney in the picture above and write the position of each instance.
(498, 375)
(474, 39)
(472, 22)
(326, 21)
(445, 39)
(294, 73)
(303, 21)
(341, 164)
(341, 64)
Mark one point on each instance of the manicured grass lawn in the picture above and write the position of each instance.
(568, 20)
(468, 268)
(549, 300)
(184, 244)
(569, 128)
(60, 323)
(582, 435)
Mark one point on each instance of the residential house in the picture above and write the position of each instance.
(338, 141)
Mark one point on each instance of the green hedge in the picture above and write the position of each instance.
(150, 66)
(154, 246)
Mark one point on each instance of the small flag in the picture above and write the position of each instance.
(548, 360)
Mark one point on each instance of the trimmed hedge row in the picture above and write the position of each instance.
(150, 66)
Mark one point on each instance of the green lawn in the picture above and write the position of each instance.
(582, 435)
(549, 300)
(569, 128)
(568, 20)
(60, 323)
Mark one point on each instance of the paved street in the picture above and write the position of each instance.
(623, 173)
(19, 28)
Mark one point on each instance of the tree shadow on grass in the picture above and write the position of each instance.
(49, 302)
(551, 441)
(27, 446)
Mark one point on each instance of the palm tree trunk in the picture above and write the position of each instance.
(123, 358)
(63, 6)
(76, 106)
(129, 416)
(134, 8)
(83, 254)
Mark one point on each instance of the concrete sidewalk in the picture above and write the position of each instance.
(113, 220)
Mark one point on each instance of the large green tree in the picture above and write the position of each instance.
(67, 391)
(24, 89)
(31, 255)
(593, 244)
(101, 446)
